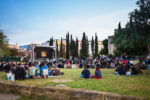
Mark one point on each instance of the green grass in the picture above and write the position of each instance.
(128, 85)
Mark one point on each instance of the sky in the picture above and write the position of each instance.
(36, 21)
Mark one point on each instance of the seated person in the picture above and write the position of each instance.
(10, 76)
(60, 65)
(134, 70)
(112, 65)
(120, 70)
(68, 64)
(50, 71)
(98, 74)
(73, 65)
(85, 73)
(19, 73)
(56, 71)
(128, 72)
(32, 71)
(80, 65)
(92, 66)
(44, 70)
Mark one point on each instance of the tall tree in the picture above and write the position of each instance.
(73, 49)
(92, 46)
(67, 45)
(51, 42)
(71, 46)
(134, 39)
(84, 46)
(104, 51)
(57, 48)
(119, 26)
(76, 48)
(61, 48)
(96, 45)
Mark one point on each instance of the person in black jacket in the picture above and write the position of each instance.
(120, 70)
(19, 73)
(85, 73)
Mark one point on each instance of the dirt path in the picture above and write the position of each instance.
(8, 97)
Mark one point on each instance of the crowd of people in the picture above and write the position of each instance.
(45, 69)
(29, 70)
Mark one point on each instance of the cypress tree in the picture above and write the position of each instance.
(71, 46)
(57, 49)
(67, 45)
(92, 46)
(77, 46)
(84, 46)
(73, 49)
(51, 42)
(96, 45)
(119, 26)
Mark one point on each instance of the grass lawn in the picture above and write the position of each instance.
(128, 85)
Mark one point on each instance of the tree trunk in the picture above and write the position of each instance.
(142, 59)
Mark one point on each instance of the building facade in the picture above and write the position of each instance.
(13, 46)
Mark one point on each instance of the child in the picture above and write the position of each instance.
(10, 76)
(98, 74)
(85, 73)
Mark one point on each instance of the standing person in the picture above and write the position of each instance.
(98, 74)
(85, 73)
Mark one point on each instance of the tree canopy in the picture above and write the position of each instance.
(84, 46)
(4, 51)
(134, 39)
(96, 45)
(104, 51)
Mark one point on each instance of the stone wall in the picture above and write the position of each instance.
(63, 93)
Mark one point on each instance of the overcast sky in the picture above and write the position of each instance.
(35, 21)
